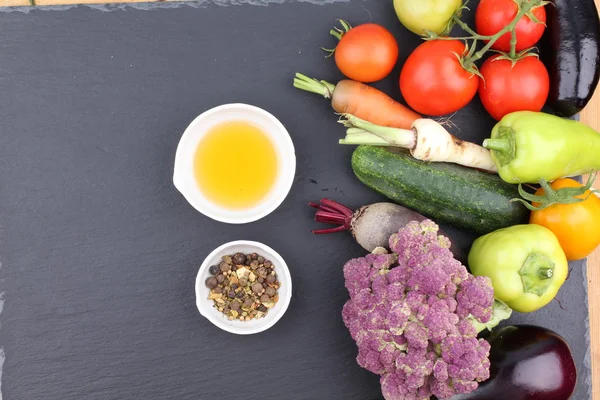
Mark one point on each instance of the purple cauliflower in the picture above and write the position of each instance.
(415, 314)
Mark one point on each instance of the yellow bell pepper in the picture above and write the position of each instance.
(525, 262)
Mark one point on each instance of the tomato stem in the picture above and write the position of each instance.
(550, 197)
(525, 8)
(513, 44)
(468, 29)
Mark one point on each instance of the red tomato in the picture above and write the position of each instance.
(493, 15)
(432, 80)
(366, 53)
(505, 89)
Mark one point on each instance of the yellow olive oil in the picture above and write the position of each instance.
(235, 165)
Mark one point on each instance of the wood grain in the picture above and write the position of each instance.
(590, 116)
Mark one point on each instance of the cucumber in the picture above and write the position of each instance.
(446, 193)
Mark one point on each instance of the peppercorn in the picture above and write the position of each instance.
(217, 290)
(254, 256)
(231, 294)
(262, 308)
(214, 269)
(211, 282)
(236, 305)
(261, 259)
(270, 291)
(243, 282)
(264, 298)
(271, 279)
(239, 294)
(268, 264)
(234, 286)
(224, 267)
(261, 271)
(220, 278)
(248, 302)
(257, 288)
(260, 280)
(239, 258)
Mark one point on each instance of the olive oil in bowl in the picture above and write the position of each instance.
(236, 165)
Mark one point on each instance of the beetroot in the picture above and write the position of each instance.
(371, 225)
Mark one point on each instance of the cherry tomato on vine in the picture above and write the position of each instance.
(506, 88)
(577, 225)
(493, 15)
(432, 80)
(366, 53)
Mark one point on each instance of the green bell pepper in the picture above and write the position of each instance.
(528, 147)
(526, 264)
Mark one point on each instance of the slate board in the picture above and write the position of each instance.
(99, 251)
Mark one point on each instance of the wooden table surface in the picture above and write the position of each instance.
(590, 116)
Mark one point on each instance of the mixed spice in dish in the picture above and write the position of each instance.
(243, 286)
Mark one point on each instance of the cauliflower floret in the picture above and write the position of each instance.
(415, 314)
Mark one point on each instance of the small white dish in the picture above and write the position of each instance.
(183, 176)
(206, 308)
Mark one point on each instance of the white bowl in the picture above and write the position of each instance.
(183, 176)
(206, 307)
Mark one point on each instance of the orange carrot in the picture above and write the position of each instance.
(360, 100)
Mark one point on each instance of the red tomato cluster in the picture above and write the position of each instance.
(434, 80)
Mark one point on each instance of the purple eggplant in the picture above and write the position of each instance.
(527, 363)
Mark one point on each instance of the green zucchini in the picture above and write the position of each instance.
(446, 193)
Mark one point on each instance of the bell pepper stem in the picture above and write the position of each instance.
(546, 273)
(501, 145)
(537, 273)
(504, 145)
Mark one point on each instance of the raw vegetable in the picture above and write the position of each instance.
(493, 15)
(509, 86)
(365, 53)
(426, 15)
(427, 140)
(433, 81)
(527, 363)
(528, 147)
(361, 100)
(370, 225)
(525, 262)
(472, 53)
(574, 220)
(570, 49)
(447, 193)
(415, 314)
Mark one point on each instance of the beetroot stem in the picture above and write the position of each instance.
(337, 206)
(330, 230)
(322, 207)
(321, 216)
(332, 212)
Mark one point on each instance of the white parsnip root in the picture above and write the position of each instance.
(427, 140)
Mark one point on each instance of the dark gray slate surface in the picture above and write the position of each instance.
(99, 252)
